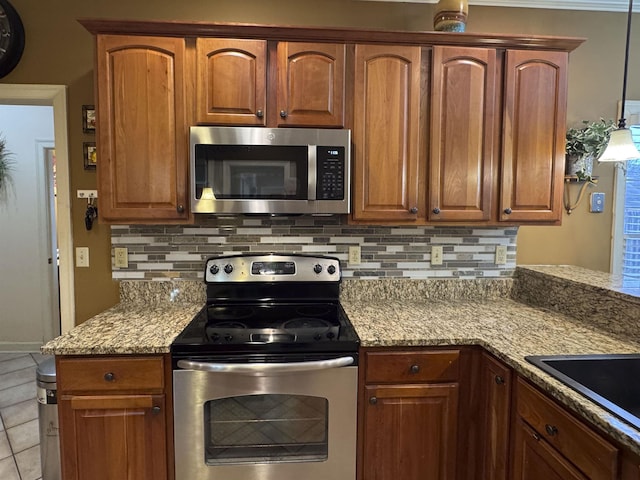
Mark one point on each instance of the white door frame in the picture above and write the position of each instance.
(44, 157)
(55, 95)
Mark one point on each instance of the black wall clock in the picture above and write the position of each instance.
(11, 38)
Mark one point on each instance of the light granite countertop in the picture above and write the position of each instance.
(508, 329)
(543, 310)
(127, 328)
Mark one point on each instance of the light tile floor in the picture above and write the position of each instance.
(19, 436)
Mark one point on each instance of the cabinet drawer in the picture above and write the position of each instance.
(110, 374)
(587, 450)
(412, 366)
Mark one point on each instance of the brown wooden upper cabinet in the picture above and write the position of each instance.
(489, 154)
(534, 124)
(446, 129)
(255, 82)
(464, 124)
(311, 82)
(231, 79)
(389, 163)
(142, 128)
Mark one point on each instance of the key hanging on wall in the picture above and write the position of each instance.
(91, 214)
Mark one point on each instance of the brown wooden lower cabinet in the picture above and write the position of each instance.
(494, 417)
(535, 459)
(114, 417)
(546, 430)
(454, 413)
(410, 432)
(409, 414)
(629, 466)
(114, 436)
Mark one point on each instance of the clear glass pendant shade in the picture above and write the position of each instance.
(620, 147)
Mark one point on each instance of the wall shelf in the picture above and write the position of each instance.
(575, 179)
(571, 180)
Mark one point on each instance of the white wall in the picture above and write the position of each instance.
(25, 293)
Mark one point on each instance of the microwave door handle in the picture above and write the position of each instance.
(313, 172)
(266, 368)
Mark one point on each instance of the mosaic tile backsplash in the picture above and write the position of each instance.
(178, 251)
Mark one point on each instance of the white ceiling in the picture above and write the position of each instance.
(598, 5)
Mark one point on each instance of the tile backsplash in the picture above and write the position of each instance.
(178, 251)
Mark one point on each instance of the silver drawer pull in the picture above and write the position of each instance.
(265, 368)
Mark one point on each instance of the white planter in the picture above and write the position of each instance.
(578, 164)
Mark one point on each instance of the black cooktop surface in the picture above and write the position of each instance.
(274, 327)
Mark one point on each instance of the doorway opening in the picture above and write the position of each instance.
(52, 157)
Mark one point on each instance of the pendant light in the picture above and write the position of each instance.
(621, 147)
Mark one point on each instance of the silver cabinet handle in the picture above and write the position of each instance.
(265, 368)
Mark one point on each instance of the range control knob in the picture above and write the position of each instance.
(228, 337)
(228, 268)
(317, 268)
(214, 269)
(331, 269)
(330, 335)
(317, 337)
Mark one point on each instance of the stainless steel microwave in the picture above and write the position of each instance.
(253, 170)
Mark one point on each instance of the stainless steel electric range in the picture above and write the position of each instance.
(265, 376)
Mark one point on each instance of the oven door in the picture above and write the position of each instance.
(271, 421)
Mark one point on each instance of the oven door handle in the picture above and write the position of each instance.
(266, 368)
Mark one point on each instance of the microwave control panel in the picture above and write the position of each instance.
(330, 173)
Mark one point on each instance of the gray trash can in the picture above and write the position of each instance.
(48, 419)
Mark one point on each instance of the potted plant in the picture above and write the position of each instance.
(6, 168)
(584, 144)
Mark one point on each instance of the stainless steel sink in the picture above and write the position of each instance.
(611, 381)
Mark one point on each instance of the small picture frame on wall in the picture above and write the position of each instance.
(90, 155)
(88, 119)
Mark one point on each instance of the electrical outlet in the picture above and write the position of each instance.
(82, 256)
(121, 255)
(87, 193)
(436, 255)
(501, 254)
(354, 255)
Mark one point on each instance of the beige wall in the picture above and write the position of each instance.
(60, 51)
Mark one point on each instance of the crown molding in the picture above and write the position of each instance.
(594, 5)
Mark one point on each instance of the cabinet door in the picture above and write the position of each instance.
(113, 436)
(463, 133)
(387, 133)
(142, 128)
(534, 127)
(585, 448)
(310, 84)
(535, 459)
(410, 432)
(231, 81)
(495, 414)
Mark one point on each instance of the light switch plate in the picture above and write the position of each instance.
(597, 202)
(82, 256)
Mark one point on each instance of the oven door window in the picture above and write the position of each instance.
(256, 172)
(266, 429)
